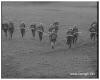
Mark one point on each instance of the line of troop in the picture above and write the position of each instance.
(71, 34)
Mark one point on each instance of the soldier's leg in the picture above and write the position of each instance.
(40, 35)
(33, 33)
(52, 44)
(5, 32)
(91, 36)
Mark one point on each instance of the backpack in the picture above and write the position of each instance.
(92, 29)
(53, 36)
(5, 26)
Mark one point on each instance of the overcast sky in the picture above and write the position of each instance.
(65, 4)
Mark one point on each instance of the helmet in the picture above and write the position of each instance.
(56, 23)
(75, 25)
(94, 22)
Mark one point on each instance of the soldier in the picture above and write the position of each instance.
(94, 25)
(33, 29)
(75, 29)
(56, 26)
(22, 29)
(53, 38)
(75, 33)
(51, 28)
(5, 28)
(11, 29)
(69, 37)
(40, 30)
(93, 31)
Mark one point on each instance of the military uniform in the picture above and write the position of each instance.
(53, 36)
(33, 29)
(40, 30)
(70, 33)
(22, 29)
(92, 29)
(5, 26)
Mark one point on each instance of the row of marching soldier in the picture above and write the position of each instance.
(71, 34)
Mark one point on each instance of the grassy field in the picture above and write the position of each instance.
(29, 58)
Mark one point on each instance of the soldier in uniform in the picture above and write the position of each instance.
(56, 26)
(53, 38)
(5, 28)
(40, 30)
(93, 30)
(22, 29)
(75, 33)
(69, 37)
(33, 29)
(11, 29)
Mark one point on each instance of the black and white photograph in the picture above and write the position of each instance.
(49, 39)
